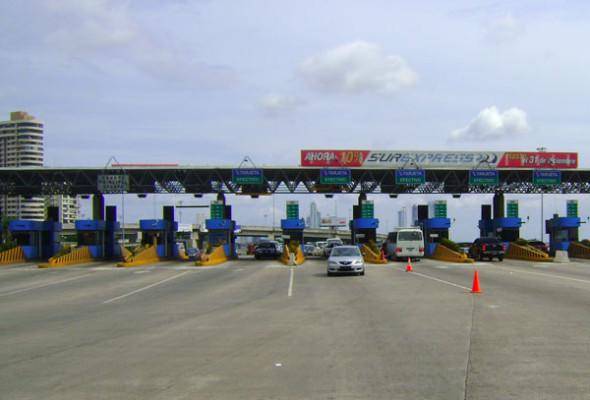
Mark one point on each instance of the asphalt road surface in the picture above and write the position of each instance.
(260, 330)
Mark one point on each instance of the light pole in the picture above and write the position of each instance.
(541, 149)
(122, 184)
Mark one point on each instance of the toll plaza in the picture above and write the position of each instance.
(363, 230)
(220, 236)
(564, 232)
(292, 234)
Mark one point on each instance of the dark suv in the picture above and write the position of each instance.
(489, 248)
(267, 250)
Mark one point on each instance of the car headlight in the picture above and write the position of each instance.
(332, 264)
(357, 262)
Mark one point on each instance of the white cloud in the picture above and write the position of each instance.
(491, 124)
(103, 31)
(504, 29)
(276, 104)
(357, 67)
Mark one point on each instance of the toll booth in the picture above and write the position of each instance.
(97, 233)
(293, 226)
(221, 228)
(505, 228)
(38, 239)
(435, 229)
(563, 230)
(363, 227)
(161, 233)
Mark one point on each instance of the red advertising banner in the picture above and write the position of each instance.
(539, 160)
(333, 158)
(397, 159)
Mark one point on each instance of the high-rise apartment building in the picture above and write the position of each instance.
(314, 218)
(21, 145)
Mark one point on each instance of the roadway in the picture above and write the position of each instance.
(259, 330)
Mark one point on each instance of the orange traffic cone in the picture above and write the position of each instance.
(409, 266)
(475, 287)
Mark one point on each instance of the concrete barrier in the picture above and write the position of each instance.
(527, 253)
(371, 257)
(12, 256)
(578, 250)
(561, 256)
(443, 253)
(216, 257)
(78, 255)
(148, 255)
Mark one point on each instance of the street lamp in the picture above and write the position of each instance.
(122, 190)
(541, 149)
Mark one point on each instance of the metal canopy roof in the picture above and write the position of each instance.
(31, 181)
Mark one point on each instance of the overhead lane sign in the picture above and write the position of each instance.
(484, 177)
(247, 176)
(410, 176)
(438, 159)
(335, 176)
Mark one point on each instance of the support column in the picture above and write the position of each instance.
(98, 207)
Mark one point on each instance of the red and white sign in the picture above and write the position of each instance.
(551, 160)
(437, 159)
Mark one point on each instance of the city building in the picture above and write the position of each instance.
(314, 217)
(21, 145)
(402, 218)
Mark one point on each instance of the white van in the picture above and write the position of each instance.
(405, 243)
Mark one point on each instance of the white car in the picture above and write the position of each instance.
(405, 243)
(346, 260)
(330, 244)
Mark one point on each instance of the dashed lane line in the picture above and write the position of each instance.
(145, 287)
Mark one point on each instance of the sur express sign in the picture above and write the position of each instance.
(437, 159)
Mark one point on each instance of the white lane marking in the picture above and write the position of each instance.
(567, 278)
(44, 285)
(436, 279)
(291, 274)
(144, 288)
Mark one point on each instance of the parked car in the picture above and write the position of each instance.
(308, 250)
(486, 248)
(330, 244)
(193, 253)
(346, 260)
(405, 243)
(267, 250)
(537, 244)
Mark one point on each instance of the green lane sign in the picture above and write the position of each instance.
(292, 209)
(546, 177)
(367, 209)
(484, 177)
(247, 176)
(335, 176)
(440, 209)
(410, 176)
(512, 208)
(217, 209)
(572, 208)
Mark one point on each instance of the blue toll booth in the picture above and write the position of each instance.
(562, 231)
(221, 232)
(38, 239)
(363, 230)
(293, 230)
(162, 233)
(99, 237)
(505, 228)
(435, 230)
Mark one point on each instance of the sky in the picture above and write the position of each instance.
(207, 82)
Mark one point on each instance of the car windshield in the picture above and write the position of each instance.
(267, 245)
(489, 240)
(409, 235)
(345, 252)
